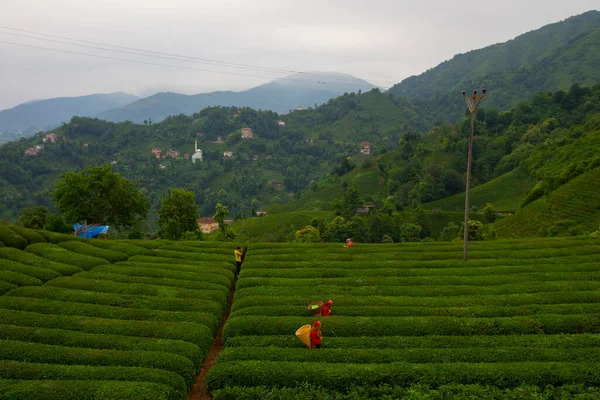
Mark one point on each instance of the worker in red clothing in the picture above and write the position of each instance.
(327, 308)
(349, 243)
(315, 336)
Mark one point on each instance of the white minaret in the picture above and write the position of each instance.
(197, 153)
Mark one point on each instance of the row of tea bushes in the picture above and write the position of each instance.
(112, 322)
(517, 313)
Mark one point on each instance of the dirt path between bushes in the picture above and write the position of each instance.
(198, 391)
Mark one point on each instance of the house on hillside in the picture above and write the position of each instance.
(365, 209)
(299, 108)
(281, 123)
(365, 148)
(156, 152)
(173, 154)
(31, 151)
(276, 184)
(113, 163)
(261, 213)
(162, 166)
(186, 156)
(207, 224)
(255, 157)
(51, 137)
(247, 133)
(228, 154)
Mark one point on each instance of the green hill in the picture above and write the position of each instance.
(548, 59)
(573, 208)
(505, 193)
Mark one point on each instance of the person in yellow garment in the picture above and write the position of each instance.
(238, 253)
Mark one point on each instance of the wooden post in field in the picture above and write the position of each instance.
(473, 104)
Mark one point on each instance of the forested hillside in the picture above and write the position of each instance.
(356, 149)
(276, 162)
(548, 59)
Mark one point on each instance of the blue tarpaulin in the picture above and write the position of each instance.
(90, 231)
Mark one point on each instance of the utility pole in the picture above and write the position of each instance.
(473, 104)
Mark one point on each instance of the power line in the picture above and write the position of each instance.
(162, 65)
(183, 57)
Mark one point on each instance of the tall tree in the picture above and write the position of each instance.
(178, 214)
(100, 196)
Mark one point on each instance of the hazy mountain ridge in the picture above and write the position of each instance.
(47, 114)
(280, 95)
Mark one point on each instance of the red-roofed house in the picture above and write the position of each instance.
(247, 133)
(156, 152)
(365, 148)
(173, 153)
(31, 151)
(51, 137)
(207, 224)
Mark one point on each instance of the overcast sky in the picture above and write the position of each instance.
(383, 41)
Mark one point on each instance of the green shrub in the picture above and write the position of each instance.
(189, 332)
(399, 311)
(18, 279)
(11, 238)
(31, 371)
(76, 282)
(324, 291)
(173, 263)
(62, 337)
(147, 244)
(89, 250)
(11, 350)
(54, 237)
(86, 389)
(387, 281)
(117, 245)
(117, 300)
(415, 326)
(176, 283)
(193, 248)
(198, 276)
(55, 253)
(223, 269)
(192, 256)
(42, 274)
(559, 341)
(44, 306)
(37, 263)
(29, 235)
(335, 272)
(414, 355)
(404, 301)
(413, 392)
(6, 287)
(339, 377)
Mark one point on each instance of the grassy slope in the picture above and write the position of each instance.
(578, 200)
(505, 192)
(276, 227)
